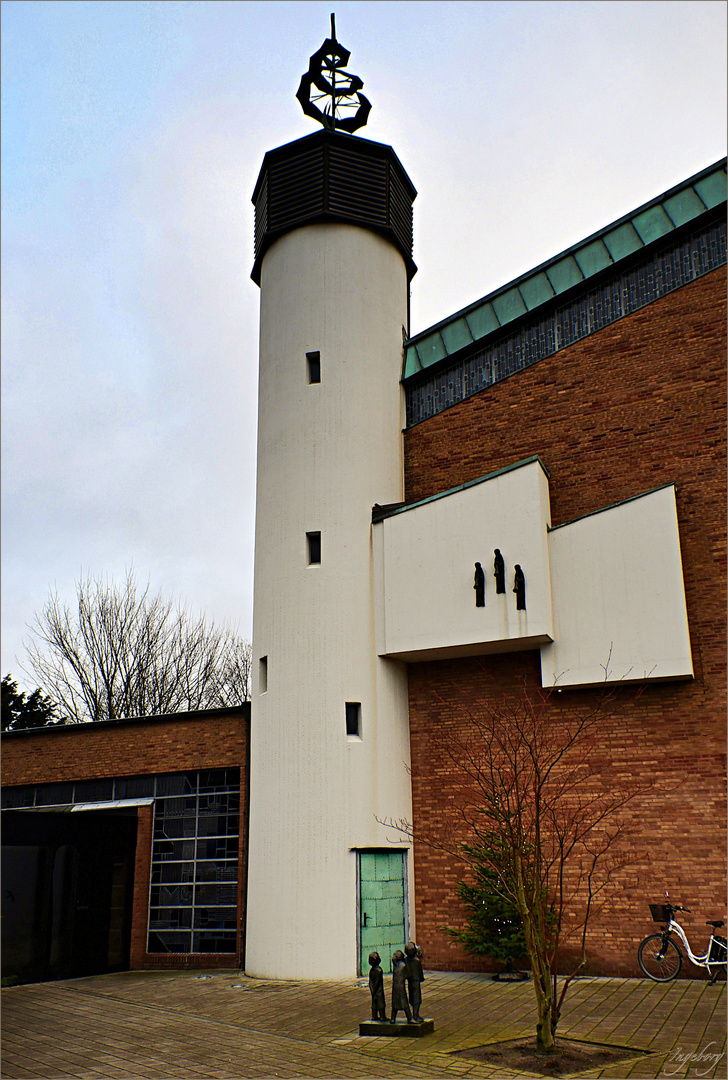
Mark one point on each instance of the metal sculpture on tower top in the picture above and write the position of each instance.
(330, 94)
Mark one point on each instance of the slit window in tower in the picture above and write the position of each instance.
(313, 542)
(353, 718)
(263, 675)
(313, 361)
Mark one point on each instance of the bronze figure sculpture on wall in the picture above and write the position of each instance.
(479, 586)
(499, 570)
(519, 588)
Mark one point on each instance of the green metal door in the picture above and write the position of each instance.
(381, 906)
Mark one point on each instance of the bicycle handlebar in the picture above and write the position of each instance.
(678, 907)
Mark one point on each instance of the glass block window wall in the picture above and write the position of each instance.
(431, 392)
(194, 880)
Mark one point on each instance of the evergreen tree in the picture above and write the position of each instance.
(494, 928)
(19, 712)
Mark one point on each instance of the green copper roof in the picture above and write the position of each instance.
(678, 206)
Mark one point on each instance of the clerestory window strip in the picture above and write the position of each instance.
(666, 270)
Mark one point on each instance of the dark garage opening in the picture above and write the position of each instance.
(67, 891)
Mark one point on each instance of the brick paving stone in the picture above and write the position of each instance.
(163, 1026)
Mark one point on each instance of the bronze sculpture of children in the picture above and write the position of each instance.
(414, 978)
(376, 988)
(399, 988)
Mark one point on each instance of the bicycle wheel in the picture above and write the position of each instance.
(660, 961)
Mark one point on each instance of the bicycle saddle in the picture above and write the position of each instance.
(717, 924)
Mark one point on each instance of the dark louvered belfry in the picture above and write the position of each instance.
(331, 176)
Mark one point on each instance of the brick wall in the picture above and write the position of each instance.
(181, 743)
(212, 739)
(640, 404)
(138, 956)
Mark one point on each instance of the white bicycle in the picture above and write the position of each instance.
(660, 957)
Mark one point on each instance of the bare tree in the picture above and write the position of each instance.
(124, 652)
(527, 802)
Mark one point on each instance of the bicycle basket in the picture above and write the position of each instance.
(660, 913)
(718, 950)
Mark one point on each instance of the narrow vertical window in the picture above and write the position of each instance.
(353, 718)
(313, 542)
(263, 675)
(313, 361)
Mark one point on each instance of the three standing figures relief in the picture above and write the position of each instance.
(499, 573)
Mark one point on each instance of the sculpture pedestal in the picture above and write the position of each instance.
(411, 1031)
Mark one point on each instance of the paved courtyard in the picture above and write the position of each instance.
(220, 1024)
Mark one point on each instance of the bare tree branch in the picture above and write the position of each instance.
(125, 652)
(530, 803)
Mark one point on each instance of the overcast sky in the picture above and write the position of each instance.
(132, 136)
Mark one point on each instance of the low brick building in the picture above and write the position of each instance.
(124, 844)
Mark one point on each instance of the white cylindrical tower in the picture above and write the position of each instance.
(329, 727)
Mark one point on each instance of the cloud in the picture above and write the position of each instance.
(132, 138)
(130, 381)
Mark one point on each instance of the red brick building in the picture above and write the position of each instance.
(124, 844)
(633, 403)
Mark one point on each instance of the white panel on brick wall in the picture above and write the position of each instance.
(618, 594)
(425, 559)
